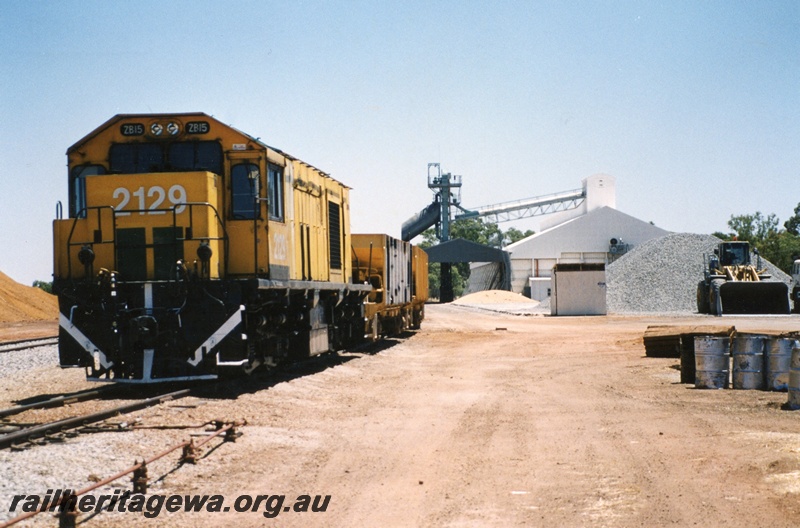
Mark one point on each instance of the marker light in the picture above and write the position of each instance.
(86, 255)
(204, 252)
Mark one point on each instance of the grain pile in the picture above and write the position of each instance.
(494, 297)
(25, 303)
(661, 275)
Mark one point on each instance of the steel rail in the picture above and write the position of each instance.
(21, 344)
(124, 472)
(58, 401)
(66, 424)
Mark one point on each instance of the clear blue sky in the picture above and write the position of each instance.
(693, 106)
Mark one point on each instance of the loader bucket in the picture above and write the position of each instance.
(754, 298)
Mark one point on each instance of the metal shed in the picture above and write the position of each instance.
(578, 289)
(460, 250)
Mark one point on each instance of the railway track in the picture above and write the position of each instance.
(59, 401)
(21, 344)
(29, 434)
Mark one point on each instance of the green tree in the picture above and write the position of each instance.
(780, 249)
(515, 235)
(477, 230)
(46, 286)
(792, 225)
(779, 246)
(755, 228)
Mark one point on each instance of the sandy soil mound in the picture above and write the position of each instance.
(25, 303)
(493, 297)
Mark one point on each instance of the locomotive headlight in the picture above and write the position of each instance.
(173, 128)
(86, 255)
(156, 129)
(204, 252)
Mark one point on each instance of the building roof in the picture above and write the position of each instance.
(460, 250)
(587, 233)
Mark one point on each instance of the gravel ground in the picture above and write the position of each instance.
(506, 308)
(77, 462)
(438, 430)
(25, 360)
(661, 275)
(73, 464)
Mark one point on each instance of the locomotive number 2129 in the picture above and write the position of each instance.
(155, 195)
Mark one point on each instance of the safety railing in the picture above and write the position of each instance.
(98, 228)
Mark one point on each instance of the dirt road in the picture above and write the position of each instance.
(492, 420)
(480, 419)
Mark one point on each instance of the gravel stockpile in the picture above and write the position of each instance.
(661, 275)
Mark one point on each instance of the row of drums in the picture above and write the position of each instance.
(751, 361)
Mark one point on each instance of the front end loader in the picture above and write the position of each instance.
(733, 285)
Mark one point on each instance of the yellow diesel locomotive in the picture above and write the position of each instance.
(190, 246)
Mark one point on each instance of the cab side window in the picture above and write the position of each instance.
(77, 188)
(275, 192)
(244, 185)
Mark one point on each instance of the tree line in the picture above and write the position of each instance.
(779, 245)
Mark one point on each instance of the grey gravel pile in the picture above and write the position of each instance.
(661, 275)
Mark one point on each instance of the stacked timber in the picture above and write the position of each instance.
(662, 341)
(669, 341)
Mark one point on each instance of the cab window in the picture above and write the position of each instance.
(244, 178)
(275, 192)
(77, 188)
(135, 158)
(196, 155)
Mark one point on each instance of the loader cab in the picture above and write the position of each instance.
(733, 253)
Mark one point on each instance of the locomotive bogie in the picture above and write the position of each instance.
(149, 331)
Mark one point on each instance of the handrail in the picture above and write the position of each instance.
(224, 238)
(83, 214)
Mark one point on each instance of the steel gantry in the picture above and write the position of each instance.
(446, 207)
